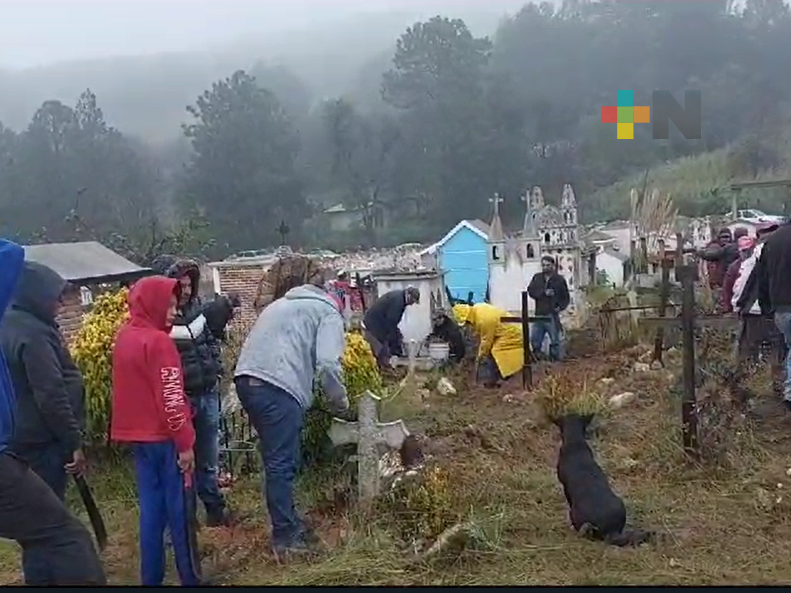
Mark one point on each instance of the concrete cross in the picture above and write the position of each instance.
(369, 435)
(496, 200)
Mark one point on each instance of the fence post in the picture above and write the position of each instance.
(664, 296)
(689, 411)
(527, 363)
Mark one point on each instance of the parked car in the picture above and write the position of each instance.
(757, 216)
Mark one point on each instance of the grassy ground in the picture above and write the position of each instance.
(494, 460)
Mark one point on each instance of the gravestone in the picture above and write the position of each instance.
(370, 436)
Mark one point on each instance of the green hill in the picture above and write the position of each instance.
(699, 185)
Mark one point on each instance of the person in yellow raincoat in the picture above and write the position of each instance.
(501, 352)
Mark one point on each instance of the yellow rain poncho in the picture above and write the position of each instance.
(502, 340)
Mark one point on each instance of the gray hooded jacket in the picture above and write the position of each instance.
(295, 339)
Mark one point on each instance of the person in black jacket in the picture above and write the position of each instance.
(774, 290)
(448, 330)
(50, 394)
(720, 254)
(550, 292)
(197, 332)
(380, 324)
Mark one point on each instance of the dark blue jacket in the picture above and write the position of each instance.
(12, 257)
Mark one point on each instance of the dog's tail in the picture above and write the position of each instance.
(630, 538)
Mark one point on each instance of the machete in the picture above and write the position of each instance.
(190, 507)
(94, 515)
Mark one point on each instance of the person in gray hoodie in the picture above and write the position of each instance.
(295, 339)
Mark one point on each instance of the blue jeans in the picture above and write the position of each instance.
(277, 418)
(47, 461)
(162, 497)
(537, 332)
(783, 323)
(207, 451)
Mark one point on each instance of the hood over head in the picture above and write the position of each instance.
(149, 301)
(310, 292)
(162, 263)
(38, 290)
(189, 268)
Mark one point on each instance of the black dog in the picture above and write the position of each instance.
(594, 509)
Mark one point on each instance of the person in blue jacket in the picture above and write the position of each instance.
(30, 512)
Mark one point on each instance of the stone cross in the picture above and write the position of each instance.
(496, 200)
(369, 435)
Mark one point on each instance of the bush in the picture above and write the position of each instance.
(92, 351)
(360, 373)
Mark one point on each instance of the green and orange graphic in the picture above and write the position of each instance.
(625, 115)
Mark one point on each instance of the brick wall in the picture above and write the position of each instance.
(243, 280)
(70, 316)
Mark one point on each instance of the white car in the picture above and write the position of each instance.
(757, 216)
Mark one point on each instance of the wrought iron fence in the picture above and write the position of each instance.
(238, 446)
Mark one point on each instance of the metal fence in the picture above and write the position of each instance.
(238, 446)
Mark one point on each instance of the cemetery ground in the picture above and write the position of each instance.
(491, 466)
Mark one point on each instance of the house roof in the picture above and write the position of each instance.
(619, 255)
(86, 261)
(597, 236)
(616, 225)
(478, 227)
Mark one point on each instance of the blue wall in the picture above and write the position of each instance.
(464, 259)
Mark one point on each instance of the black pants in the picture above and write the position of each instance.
(380, 349)
(33, 516)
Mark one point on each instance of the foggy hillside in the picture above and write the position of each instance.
(146, 95)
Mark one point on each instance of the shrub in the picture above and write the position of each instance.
(360, 373)
(92, 351)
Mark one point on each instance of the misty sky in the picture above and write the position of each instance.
(39, 32)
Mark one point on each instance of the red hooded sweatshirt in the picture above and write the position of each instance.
(149, 404)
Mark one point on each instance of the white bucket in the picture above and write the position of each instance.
(438, 351)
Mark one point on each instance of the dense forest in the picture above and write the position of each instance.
(429, 132)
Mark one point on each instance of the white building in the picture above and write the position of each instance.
(547, 230)
(416, 322)
(613, 265)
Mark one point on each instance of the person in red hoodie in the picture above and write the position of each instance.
(150, 411)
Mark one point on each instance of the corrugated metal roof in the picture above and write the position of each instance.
(89, 260)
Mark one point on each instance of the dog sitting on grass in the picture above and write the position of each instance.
(595, 510)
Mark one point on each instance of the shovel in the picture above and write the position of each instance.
(190, 507)
(97, 523)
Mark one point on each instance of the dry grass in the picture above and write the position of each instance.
(496, 456)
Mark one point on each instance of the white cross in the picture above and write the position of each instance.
(368, 434)
(496, 201)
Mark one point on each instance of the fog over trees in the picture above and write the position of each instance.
(414, 127)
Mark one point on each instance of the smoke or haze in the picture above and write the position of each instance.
(40, 32)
